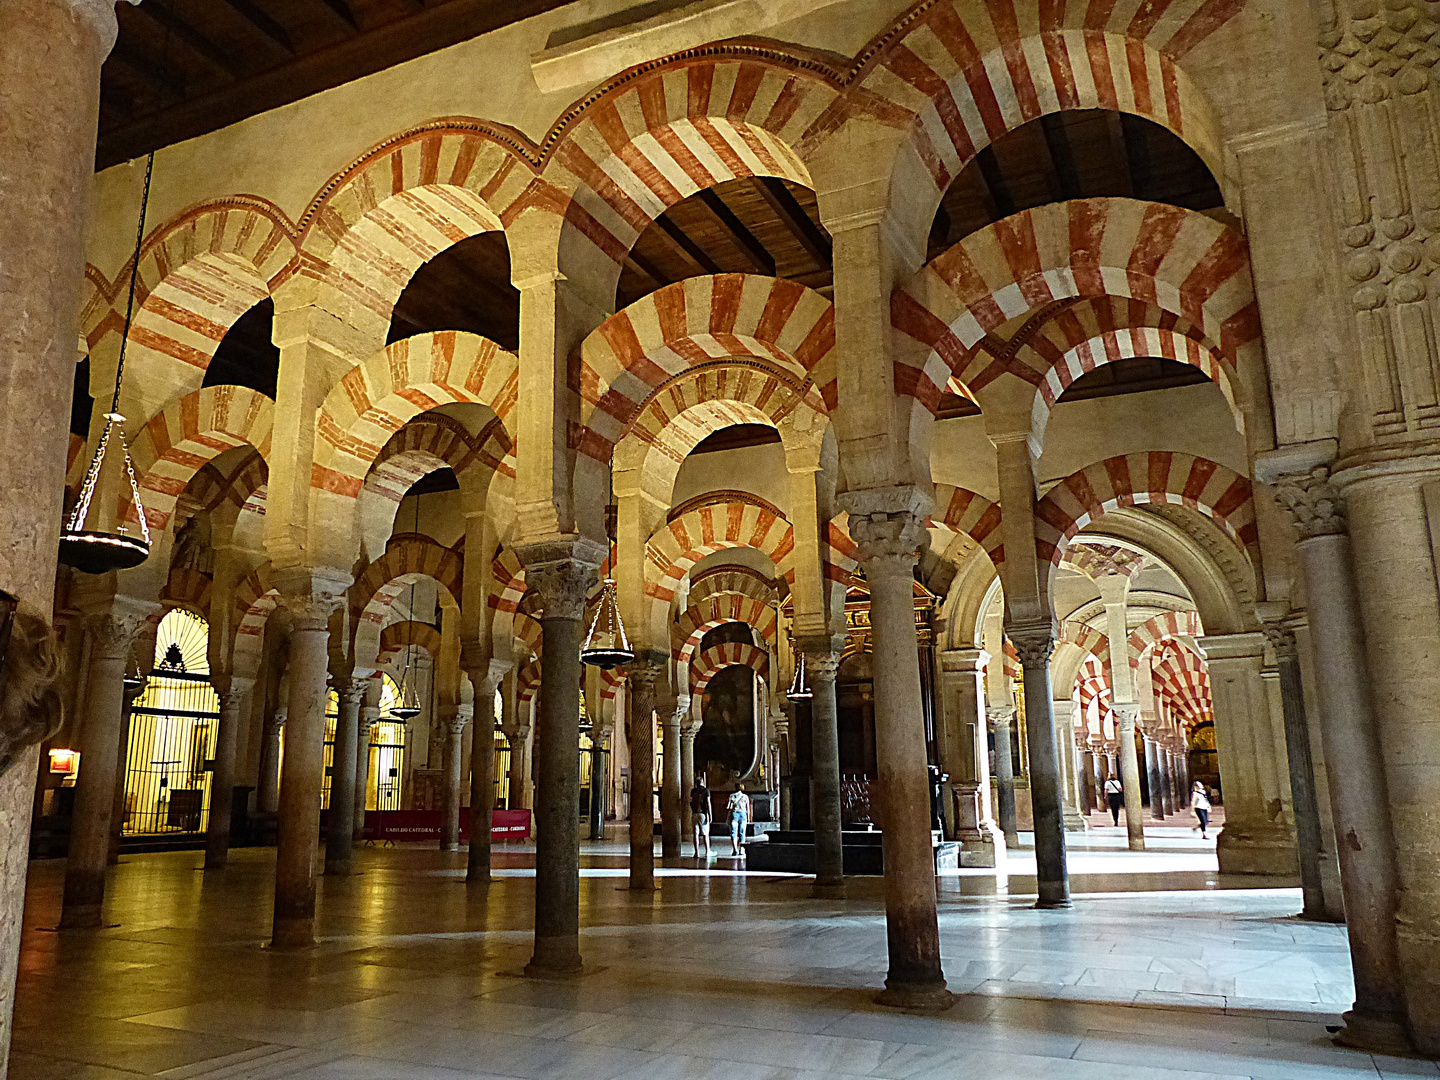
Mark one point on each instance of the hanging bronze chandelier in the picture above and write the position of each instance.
(799, 686)
(409, 705)
(606, 645)
(96, 551)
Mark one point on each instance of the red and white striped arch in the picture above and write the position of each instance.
(507, 590)
(959, 76)
(732, 654)
(527, 683)
(1082, 337)
(714, 611)
(1167, 626)
(698, 322)
(1155, 477)
(1088, 639)
(959, 510)
(402, 203)
(189, 433)
(839, 558)
(187, 588)
(377, 398)
(198, 273)
(658, 133)
(433, 440)
(399, 635)
(736, 580)
(255, 598)
(1182, 680)
(1093, 687)
(407, 557)
(680, 544)
(1178, 260)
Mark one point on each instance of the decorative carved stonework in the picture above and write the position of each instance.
(1034, 646)
(1313, 502)
(1000, 716)
(560, 588)
(888, 543)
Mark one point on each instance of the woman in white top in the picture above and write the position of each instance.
(739, 807)
(1200, 803)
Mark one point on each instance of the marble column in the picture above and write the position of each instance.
(519, 740)
(641, 676)
(561, 575)
(670, 795)
(340, 831)
(50, 57)
(113, 627)
(1089, 783)
(1035, 644)
(310, 602)
(888, 543)
(688, 730)
(234, 691)
(369, 717)
(1064, 710)
(1152, 778)
(453, 761)
(822, 661)
(966, 757)
(1002, 719)
(267, 790)
(1370, 874)
(1310, 847)
(1256, 838)
(485, 676)
(599, 743)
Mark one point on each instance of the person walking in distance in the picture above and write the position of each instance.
(1200, 803)
(700, 814)
(1115, 797)
(739, 808)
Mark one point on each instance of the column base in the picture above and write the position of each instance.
(555, 958)
(293, 934)
(338, 869)
(1266, 851)
(977, 848)
(929, 996)
(1074, 821)
(478, 877)
(80, 917)
(829, 890)
(1377, 1034)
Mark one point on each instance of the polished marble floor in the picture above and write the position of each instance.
(1162, 970)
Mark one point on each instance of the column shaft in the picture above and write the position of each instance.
(298, 828)
(670, 795)
(454, 762)
(641, 678)
(1129, 754)
(822, 665)
(599, 737)
(1001, 720)
(222, 780)
(687, 776)
(1152, 770)
(369, 714)
(340, 834)
(482, 780)
(1052, 876)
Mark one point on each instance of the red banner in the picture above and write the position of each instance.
(409, 826)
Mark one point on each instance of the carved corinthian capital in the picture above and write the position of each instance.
(1313, 502)
(561, 574)
(1033, 643)
(115, 625)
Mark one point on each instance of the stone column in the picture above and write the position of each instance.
(267, 788)
(688, 731)
(340, 831)
(966, 757)
(1152, 777)
(453, 760)
(641, 675)
(1255, 839)
(561, 575)
(1064, 710)
(484, 677)
(1370, 874)
(888, 545)
(369, 716)
(113, 627)
(1035, 645)
(310, 601)
(599, 795)
(1114, 590)
(1002, 719)
(822, 661)
(670, 796)
(234, 690)
(1089, 783)
(1309, 845)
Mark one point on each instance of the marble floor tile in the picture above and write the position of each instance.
(1162, 970)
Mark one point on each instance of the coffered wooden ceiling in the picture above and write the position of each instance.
(184, 67)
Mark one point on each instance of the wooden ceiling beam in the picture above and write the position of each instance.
(680, 244)
(171, 23)
(263, 23)
(793, 216)
(1062, 155)
(1121, 154)
(437, 26)
(735, 229)
(341, 10)
(161, 76)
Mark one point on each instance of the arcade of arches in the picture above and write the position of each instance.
(972, 404)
